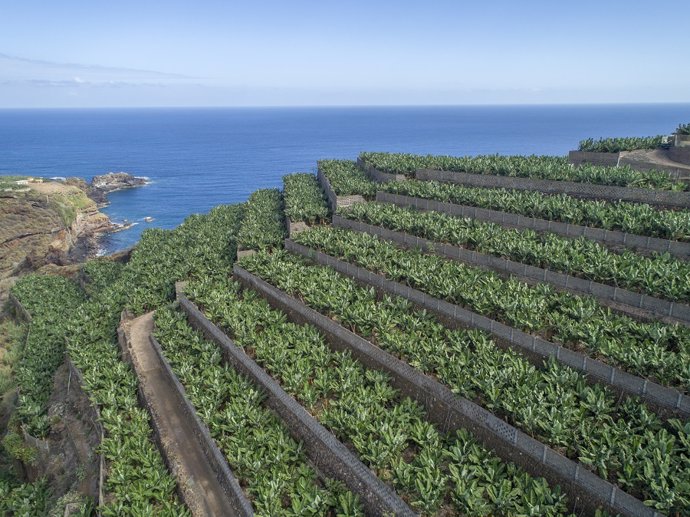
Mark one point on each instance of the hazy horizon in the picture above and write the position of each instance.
(78, 54)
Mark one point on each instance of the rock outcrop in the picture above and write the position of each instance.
(52, 222)
(102, 185)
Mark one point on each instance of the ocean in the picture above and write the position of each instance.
(198, 158)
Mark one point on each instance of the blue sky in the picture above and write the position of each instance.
(223, 53)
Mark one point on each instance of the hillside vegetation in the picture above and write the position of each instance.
(434, 465)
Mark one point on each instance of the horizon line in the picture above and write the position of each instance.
(345, 106)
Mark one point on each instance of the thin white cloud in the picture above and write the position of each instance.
(17, 73)
(48, 65)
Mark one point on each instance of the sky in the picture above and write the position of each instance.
(308, 53)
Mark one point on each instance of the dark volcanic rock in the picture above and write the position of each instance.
(101, 185)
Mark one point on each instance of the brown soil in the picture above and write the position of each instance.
(68, 457)
(185, 457)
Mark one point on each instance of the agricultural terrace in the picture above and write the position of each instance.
(273, 303)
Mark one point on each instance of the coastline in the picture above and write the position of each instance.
(55, 224)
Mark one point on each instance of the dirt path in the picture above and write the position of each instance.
(197, 481)
(657, 158)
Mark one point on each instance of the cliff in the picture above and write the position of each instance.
(51, 223)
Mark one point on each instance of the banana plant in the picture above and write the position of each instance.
(658, 275)
(615, 145)
(263, 226)
(651, 349)
(347, 179)
(304, 199)
(388, 432)
(637, 218)
(271, 466)
(552, 403)
(542, 167)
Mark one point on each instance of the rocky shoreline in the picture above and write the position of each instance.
(54, 224)
(98, 189)
(103, 185)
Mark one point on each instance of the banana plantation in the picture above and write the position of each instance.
(340, 343)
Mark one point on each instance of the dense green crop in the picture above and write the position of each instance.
(615, 145)
(204, 245)
(554, 404)
(434, 472)
(304, 199)
(25, 499)
(655, 350)
(657, 275)
(263, 226)
(267, 462)
(638, 218)
(347, 179)
(101, 274)
(543, 167)
(50, 300)
(137, 482)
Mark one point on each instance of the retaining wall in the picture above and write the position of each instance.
(605, 159)
(334, 201)
(627, 301)
(295, 227)
(450, 412)
(663, 399)
(214, 456)
(19, 309)
(193, 500)
(608, 237)
(94, 413)
(680, 154)
(586, 190)
(95, 418)
(328, 454)
(681, 140)
(377, 175)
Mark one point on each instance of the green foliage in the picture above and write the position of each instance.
(69, 203)
(554, 404)
(100, 274)
(263, 226)
(16, 447)
(9, 183)
(347, 179)
(25, 499)
(271, 466)
(204, 245)
(542, 167)
(434, 472)
(12, 337)
(304, 199)
(79, 505)
(50, 300)
(657, 275)
(638, 218)
(683, 129)
(615, 145)
(137, 481)
(650, 349)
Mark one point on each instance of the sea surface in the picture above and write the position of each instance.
(199, 158)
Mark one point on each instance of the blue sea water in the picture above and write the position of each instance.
(199, 158)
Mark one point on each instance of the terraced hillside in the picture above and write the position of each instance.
(414, 346)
